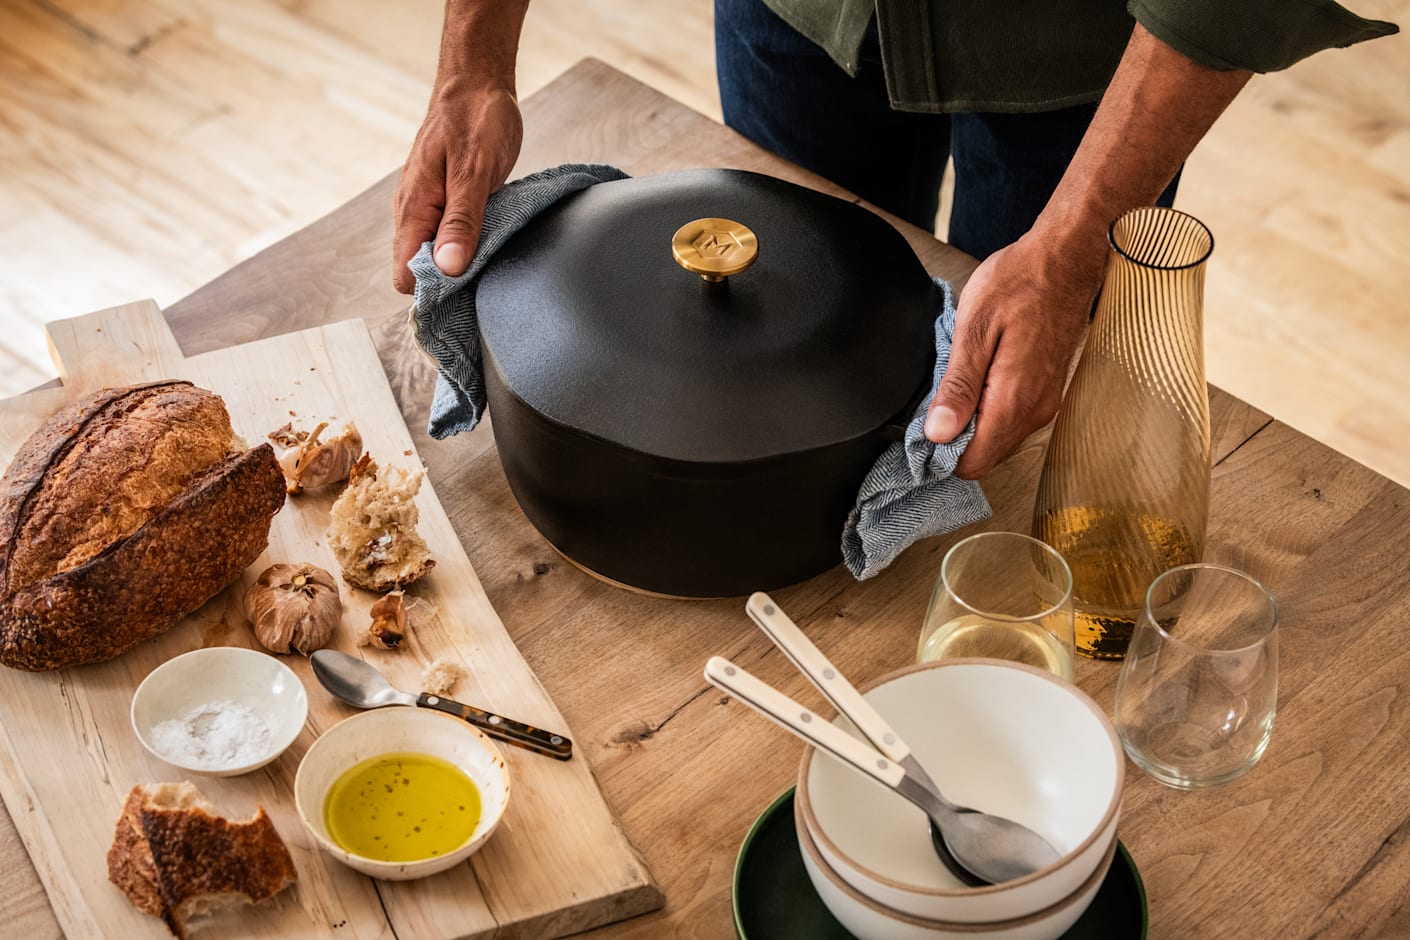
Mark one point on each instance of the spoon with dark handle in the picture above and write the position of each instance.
(362, 686)
(992, 847)
(1031, 852)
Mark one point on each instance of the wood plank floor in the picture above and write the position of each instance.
(148, 145)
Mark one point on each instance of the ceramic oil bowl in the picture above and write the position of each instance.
(401, 730)
(219, 711)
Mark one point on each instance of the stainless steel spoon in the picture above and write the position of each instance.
(786, 635)
(362, 686)
(1012, 850)
(794, 643)
(992, 847)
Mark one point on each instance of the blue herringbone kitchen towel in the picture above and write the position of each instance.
(447, 326)
(910, 493)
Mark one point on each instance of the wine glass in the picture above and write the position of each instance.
(1198, 690)
(1002, 595)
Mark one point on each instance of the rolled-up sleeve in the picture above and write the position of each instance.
(1258, 35)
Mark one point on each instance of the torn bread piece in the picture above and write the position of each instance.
(372, 528)
(176, 859)
(440, 677)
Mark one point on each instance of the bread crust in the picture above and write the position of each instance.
(173, 857)
(183, 551)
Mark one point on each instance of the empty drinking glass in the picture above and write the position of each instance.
(1198, 690)
(1002, 595)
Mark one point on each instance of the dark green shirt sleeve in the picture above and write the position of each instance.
(1038, 55)
(1258, 35)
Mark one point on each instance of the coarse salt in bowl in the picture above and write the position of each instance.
(219, 711)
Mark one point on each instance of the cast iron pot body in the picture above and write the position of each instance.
(691, 438)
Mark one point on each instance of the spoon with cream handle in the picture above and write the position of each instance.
(1026, 850)
(994, 848)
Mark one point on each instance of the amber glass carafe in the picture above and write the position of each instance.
(1124, 493)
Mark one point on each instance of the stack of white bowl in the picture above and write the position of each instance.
(996, 736)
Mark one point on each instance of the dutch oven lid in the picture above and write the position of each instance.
(590, 317)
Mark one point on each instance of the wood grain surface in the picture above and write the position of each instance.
(559, 861)
(1312, 842)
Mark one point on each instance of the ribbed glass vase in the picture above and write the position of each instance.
(1124, 493)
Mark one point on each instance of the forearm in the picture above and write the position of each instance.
(469, 141)
(1156, 109)
(480, 42)
(1023, 312)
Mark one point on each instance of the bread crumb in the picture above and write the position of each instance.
(440, 677)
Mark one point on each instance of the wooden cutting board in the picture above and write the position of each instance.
(558, 864)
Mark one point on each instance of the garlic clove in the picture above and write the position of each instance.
(388, 627)
(311, 462)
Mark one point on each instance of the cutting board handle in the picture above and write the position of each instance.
(118, 346)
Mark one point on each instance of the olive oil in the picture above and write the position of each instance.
(402, 808)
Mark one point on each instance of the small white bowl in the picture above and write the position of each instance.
(392, 730)
(868, 920)
(995, 735)
(221, 675)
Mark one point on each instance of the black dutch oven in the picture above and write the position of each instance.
(690, 374)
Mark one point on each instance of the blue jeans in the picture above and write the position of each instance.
(782, 91)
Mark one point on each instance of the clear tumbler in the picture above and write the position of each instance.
(1002, 595)
(1198, 690)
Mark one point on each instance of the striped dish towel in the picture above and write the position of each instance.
(912, 492)
(447, 326)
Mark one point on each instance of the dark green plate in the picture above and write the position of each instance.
(773, 897)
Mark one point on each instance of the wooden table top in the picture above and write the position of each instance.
(1314, 841)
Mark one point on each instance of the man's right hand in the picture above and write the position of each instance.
(469, 142)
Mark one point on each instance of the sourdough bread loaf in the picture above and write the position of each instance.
(124, 512)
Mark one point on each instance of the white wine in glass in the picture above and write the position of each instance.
(998, 638)
(1002, 595)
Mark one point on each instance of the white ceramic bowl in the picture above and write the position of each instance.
(238, 680)
(997, 736)
(399, 730)
(868, 920)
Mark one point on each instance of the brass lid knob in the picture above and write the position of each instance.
(714, 248)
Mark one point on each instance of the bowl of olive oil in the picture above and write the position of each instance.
(402, 793)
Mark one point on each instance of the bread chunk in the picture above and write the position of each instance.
(440, 677)
(123, 513)
(176, 859)
(372, 528)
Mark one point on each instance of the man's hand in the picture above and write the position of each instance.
(1020, 319)
(1023, 312)
(469, 141)
(464, 151)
